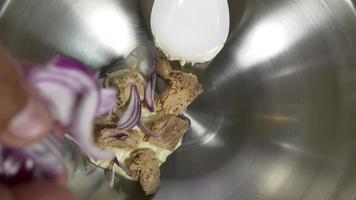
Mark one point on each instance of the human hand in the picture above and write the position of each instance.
(24, 119)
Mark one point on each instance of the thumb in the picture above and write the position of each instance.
(24, 117)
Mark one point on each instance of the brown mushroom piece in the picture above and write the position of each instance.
(163, 68)
(118, 139)
(182, 90)
(123, 81)
(145, 168)
(170, 130)
(101, 123)
(107, 135)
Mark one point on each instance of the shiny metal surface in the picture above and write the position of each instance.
(278, 116)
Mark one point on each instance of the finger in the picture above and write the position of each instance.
(13, 94)
(61, 179)
(30, 124)
(24, 117)
(41, 191)
(59, 131)
(5, 193)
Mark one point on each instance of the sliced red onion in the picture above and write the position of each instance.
(75, 107)
(69, 63)
(55, 80)
(91, 169)
(78, 78)
(150, 91)
(110, 175)
(106, 82)
(40, 161)
(112, 178)
(82, 129)
(128, 114)
(48, 154)
(88, 83)
(107, 101)
(133, 112)
(53, 140)
(119, 136)
(146, 130)
(60, 90)
(59, 96)
(72, 139)
(123, 167)
(13, 168)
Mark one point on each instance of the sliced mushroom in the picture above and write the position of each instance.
(170, 131)
(123, 82)
(182, 90)
(145, 168)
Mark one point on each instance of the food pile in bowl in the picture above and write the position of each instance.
(144, 128)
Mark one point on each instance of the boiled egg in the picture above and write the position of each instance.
(191, 31)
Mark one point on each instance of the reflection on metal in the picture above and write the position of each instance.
(196, 126)
(278, 118)
(275, 178)
(206, 136)
(270, 36)
(291, 148)
(3, 5)
(212, 140)
(109, 26)
(352, 5)
(264, 41)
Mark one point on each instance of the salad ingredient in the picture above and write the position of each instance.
(190, 30)
(145, 168)
(182, 90)
(170, 130)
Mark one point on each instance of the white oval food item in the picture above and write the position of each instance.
(190, 30)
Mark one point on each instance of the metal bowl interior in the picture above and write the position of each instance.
(277, 119)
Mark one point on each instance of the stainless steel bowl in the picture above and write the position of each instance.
(278, 116)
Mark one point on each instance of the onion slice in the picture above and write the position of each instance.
(71, 64)
(75, 100)
(128, 114)
(107, 101)
(119, 136)
(60, 97)
(40, 161)
(106, 82)
(132, 114)
(146, 130)
(82, 128)
(150, 91)
(110, 172)
(91, 169)
(123, 167)
(110, 175)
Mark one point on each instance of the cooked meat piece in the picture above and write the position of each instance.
(118, 139)
(145, 168)
(123, 84)
(182, 80)
(170, 130)
(102, 123)
(182, 90)
(163, 68)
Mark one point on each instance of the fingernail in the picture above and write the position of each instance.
(31, 122)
